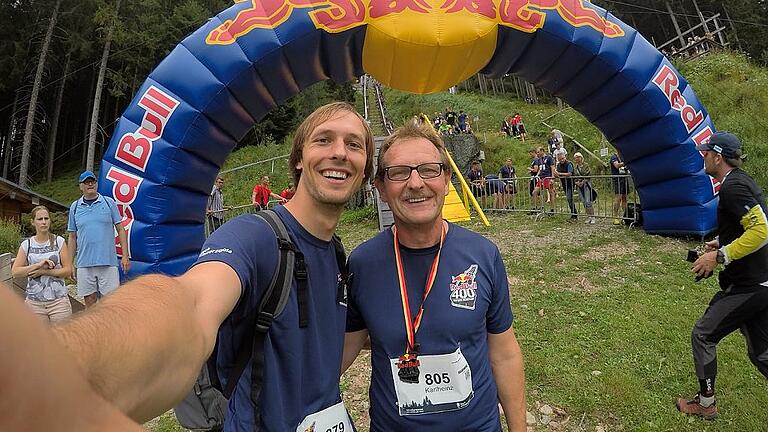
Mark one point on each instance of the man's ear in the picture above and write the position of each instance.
(379, 185)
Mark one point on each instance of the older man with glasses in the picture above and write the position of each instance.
(434, 300)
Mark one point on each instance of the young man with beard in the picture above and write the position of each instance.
(433, 297)
(143, 347)
(741, 248)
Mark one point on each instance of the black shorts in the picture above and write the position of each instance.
(620, 185)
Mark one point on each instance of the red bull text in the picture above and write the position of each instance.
(135, 149)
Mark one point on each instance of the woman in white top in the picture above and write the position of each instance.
(45, 262)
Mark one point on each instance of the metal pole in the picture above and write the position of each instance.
(677, 27)
(701, 17)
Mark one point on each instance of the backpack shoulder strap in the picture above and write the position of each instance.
(344, 275)
(270, 306)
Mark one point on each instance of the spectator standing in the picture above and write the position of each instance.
(556, 136)
(583, 182)
(454, 357)
(508, 175)
(476, 179)
(215, 210)
(546, 166)
(45, 261)
(451, 118)
(564, 171)
(741, 248)
(93, 220)
(288, 192)
(559, 149)
(533, 171)
(462, 121)
(261, 194)
(620, 187)
(514, 123)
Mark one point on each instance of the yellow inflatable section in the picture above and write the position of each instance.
(453, 208)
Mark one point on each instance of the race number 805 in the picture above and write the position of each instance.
(436, 378)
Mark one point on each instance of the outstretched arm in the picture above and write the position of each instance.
(143, 346)
(37, 372)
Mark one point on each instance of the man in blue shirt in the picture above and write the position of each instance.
(166, 327)
(93, 220)
(433, 297)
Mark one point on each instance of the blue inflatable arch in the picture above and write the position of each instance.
(211, 89)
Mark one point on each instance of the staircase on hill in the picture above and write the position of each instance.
(375, 107)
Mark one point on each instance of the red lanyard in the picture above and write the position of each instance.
(411, 327)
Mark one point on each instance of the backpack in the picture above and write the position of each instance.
(205, 406)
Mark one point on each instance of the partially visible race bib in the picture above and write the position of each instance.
(331, 419)
(445, 384)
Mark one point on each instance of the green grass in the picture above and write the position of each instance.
(617, 301)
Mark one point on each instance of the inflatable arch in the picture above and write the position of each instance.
(212, 88)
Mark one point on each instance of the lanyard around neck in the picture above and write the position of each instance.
(412, 326)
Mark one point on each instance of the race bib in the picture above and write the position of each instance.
(444, 384)
(331, 419)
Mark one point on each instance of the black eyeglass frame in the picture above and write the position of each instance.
(414, 168)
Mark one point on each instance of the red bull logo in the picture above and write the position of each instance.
(135, 150)
(340, 15)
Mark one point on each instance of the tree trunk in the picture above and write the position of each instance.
(27, 143)
(55, 121)
(97, 96)
(9, 138)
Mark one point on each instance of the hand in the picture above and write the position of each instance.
(125, 263)
(49, 264)
(705, 265)
(712, 245)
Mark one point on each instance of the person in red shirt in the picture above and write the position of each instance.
(261, 194)
(288, 192)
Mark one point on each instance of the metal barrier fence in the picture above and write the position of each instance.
(517, 195)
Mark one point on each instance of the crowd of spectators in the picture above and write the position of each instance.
(449, 122)
(499, 190)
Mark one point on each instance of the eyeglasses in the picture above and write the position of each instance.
(426, 171)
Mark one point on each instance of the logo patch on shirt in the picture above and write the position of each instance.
(208, 251)
(464, 289)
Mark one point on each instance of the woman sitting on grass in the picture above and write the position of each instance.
(45, 262)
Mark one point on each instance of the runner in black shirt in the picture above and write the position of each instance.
(741, 248)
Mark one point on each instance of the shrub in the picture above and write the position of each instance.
(10, 236)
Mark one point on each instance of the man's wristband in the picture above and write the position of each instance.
(720, 257)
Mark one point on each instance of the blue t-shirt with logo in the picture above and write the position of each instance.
(301, 365)
(546, 166)
(468, 261)
(94, 224)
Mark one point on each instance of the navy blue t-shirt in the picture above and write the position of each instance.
(301, 366)
(467, 260)
(546, 166)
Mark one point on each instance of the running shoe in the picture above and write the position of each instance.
(694, 407)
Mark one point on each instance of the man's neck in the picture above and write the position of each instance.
(90, 197)
(420, 236)
(319, 219)
(724, 172)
